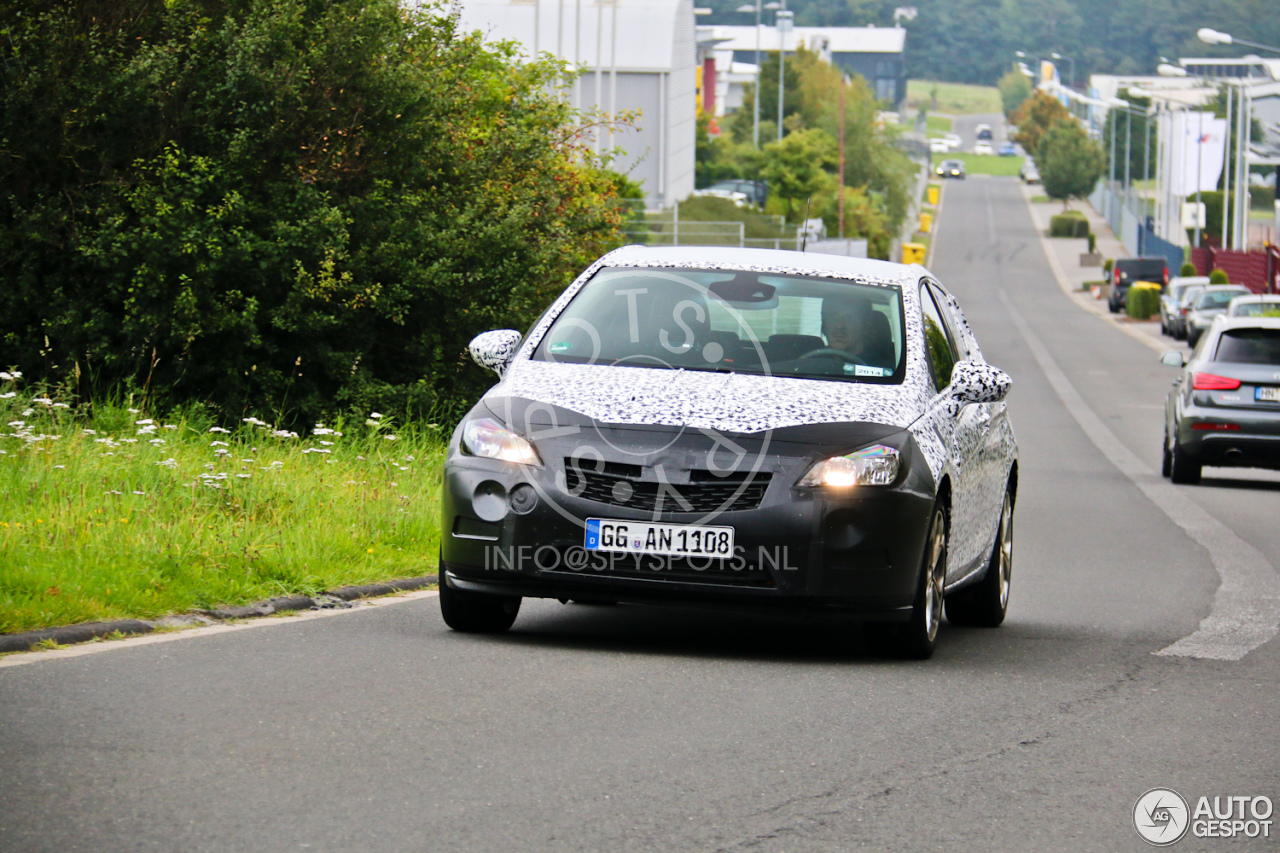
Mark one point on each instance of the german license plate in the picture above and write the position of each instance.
(1267, 395)
(675, 540)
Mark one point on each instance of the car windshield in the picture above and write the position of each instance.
(1249, 346)
(1142, 270)
(1190, 294)
(1216, 299)
(1265, 308)
(732, 322)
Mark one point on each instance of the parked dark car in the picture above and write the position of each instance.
(1224, 408)
(757, 192)
(1128, 270)
(751, 428)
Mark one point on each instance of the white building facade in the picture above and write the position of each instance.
(637, 55)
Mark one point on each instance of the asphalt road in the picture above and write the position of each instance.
(621, 729)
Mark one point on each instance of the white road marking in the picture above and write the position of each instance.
(1246, 608)
(287, 618)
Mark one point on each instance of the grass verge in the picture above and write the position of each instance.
(120, 514)
(952, 98)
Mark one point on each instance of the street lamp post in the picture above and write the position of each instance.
(784, 25)
(1022, 54)
(755, 124)
(1211, 36)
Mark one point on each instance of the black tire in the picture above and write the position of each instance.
(1184, 468)
(1192, 337)
(1166, 460)
(917, 639)
(1164, 327)
(985, 604)
(477, 612)
(1112, 307)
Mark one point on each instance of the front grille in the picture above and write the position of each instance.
(705, 493)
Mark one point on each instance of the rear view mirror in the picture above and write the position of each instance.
(495, 349)
(979, 382)
(1173, 358)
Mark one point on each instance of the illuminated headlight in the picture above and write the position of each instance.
(486, 438)
(871, 466)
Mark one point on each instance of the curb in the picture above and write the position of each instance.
(86, 631)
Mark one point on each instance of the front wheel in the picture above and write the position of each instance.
(477, 612)
(985, 603)
(919, 636)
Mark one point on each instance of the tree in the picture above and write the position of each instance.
(1035, 118)
(1070, 162)
(1014, 88)
(798, 167)
(288, 206)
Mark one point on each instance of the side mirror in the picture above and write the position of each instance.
(1173, 358)
(495, 350)
(979, 382)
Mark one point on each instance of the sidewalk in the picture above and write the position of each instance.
(1064, 256)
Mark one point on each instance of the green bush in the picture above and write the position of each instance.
(1069, 224)
(1187, 269)
(1093, 242)
(1107, 265)
(1219, 277)
(280, 206)
(1143, 300)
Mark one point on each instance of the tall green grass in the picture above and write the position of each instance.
(119, 513)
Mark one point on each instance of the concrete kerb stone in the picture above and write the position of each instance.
(86, 631)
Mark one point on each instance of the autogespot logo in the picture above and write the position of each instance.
(1161, 816)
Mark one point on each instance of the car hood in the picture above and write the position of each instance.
(724, 402)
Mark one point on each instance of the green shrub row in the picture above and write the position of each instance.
(1143, 300)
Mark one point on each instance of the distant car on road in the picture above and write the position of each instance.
(1128, 270)
(1007, 149)
(1209, 304)
(981, 147)
(1178, 322)
(938, 145)
(1255, 305)
(1029, 173)
(951, 169)
(1173, 293)
(984, 132)
(756, 192)
(1224, 408)
(953, 140)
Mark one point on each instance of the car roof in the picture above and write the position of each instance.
(1258, 297)
(1188, 280)
(804, 263)
(1149, 259)
(1225, 323)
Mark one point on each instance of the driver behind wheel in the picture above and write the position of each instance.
(855, 328)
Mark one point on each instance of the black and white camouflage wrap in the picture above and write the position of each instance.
(979, 382)
(495, 349)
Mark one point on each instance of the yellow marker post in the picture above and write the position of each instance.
(926, 221)
(913, 253)
(933, 196)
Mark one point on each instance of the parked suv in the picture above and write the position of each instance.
(1128, 270)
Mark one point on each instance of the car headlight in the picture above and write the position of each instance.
(871, 466)
(489, 439)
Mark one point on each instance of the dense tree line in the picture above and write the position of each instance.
(973, 41)
(278, 206)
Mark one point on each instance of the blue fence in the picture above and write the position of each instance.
(1149, 245)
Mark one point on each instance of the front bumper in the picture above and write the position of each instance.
(858, 552)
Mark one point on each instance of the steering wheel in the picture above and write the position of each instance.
(838, 353)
